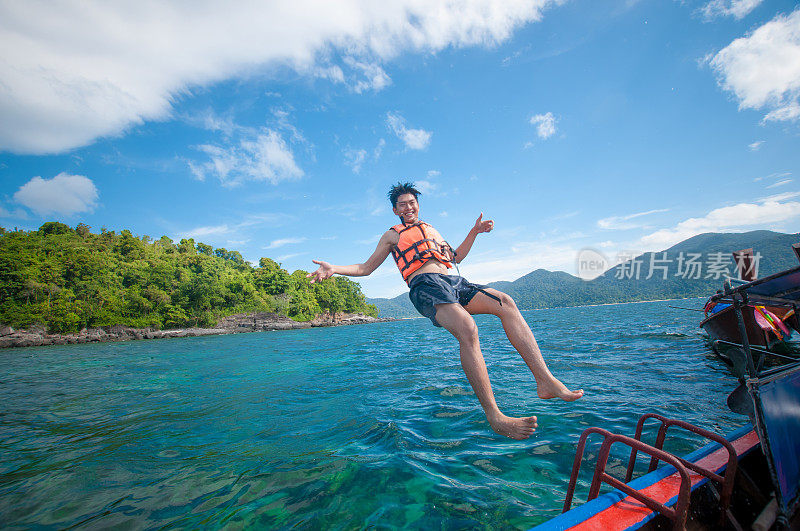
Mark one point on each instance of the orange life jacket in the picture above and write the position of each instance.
(419, 243)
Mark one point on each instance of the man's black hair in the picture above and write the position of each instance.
(402, 188)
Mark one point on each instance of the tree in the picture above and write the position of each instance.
(167, 244)
(186, 246)
(83, 230)
(329, 297)
(203, 248)
(271, 277)
(54, 227)
(129, 246)
(353, 299)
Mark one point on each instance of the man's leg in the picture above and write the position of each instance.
(521, 337)
(456, 320)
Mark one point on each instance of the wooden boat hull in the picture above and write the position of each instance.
(724, 326)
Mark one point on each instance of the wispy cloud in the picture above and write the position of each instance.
(285, 257)
(369, 76)
(355, 158)
(777, 175)
(264, 156)
(378, 151)
(742, 216)
(63, 194)
(755, 146)
(234, 231)
(412, 138)
(763, 69)
(283, 241)
(737, 9)
(779, 183)
(545, 124)
(211, 230)
(779, 197)
(565, 215)
(622, 222)
(426, 187)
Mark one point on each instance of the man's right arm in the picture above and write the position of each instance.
(385, 245)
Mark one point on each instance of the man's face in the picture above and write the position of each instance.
(407, 207)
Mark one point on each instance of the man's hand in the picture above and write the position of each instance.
(324, 271)
(483, 226)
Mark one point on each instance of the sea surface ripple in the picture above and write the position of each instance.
(337, 428)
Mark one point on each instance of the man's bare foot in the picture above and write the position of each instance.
(518, 428)
(556, 389)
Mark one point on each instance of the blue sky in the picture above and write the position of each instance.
(276, 130)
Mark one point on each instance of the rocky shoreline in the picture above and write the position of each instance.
(234, 324)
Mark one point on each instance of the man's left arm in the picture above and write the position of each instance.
(480, 226)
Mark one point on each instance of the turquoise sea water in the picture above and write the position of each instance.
(336, 428)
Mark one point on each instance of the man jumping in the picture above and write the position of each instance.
(449, 301)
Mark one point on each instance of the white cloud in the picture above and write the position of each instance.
(779, 197)
(233, 232)
(63, 194)
(4, 213)
(426, 187)
(564, 215)
(86, 70)
(545, 125)
(412, 138)
(777, 175)
(755, 146)
(763, 69)
(264, 156)
(372, 78)
(284, 257)
(737, 9)
(284, 241)
(201, 232)
(523, 258)
(378, 149)
(779, 183)
(744, 216)
(355, 158)
(621, 222)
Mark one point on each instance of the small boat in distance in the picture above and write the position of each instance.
(768, 324)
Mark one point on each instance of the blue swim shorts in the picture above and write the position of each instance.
(430, 289)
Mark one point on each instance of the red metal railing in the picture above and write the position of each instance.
(726, 481)
(677, 515)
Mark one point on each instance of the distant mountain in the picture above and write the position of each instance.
(692, 268)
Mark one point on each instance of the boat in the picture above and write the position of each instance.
(747, 479)
(765, 323)
(767, 327)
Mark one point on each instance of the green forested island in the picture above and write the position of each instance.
(69, 279)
